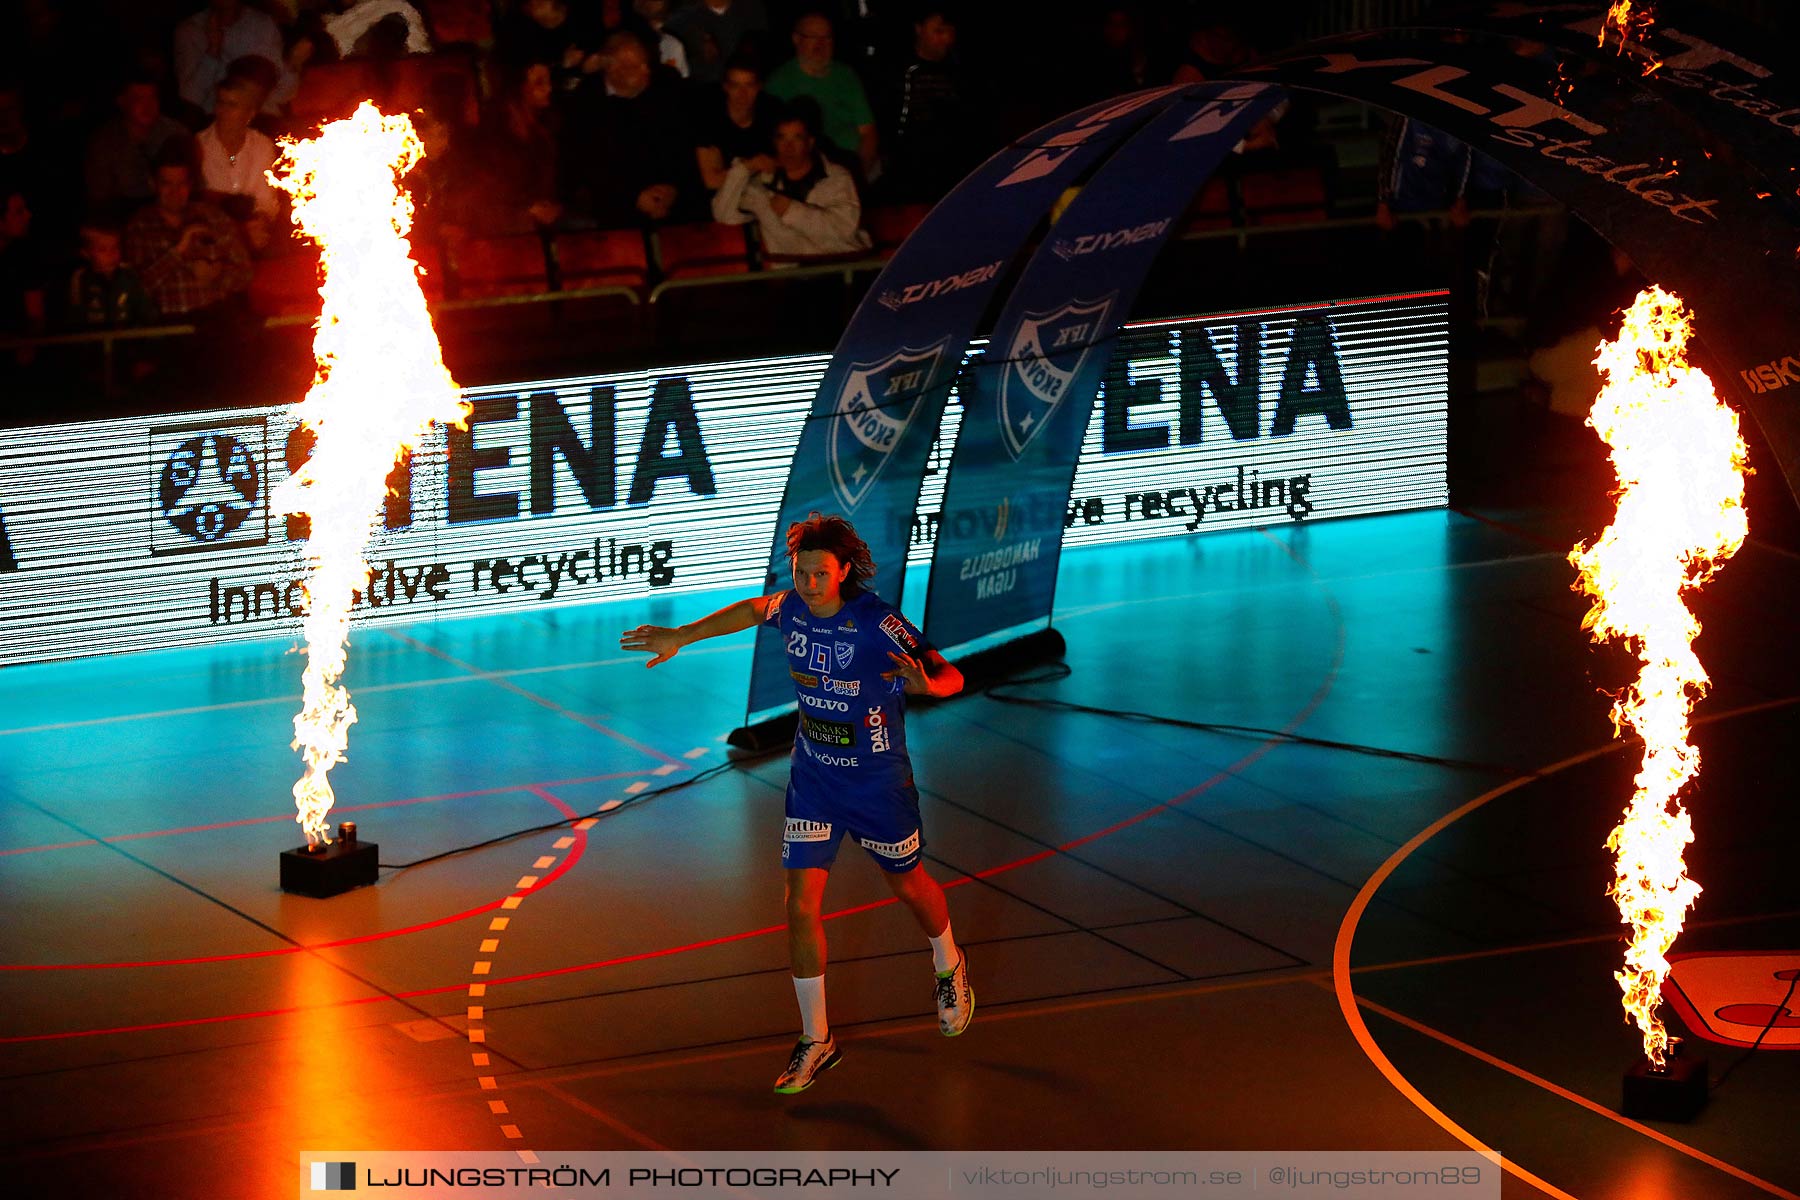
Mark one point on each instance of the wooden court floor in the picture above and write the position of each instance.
(1180, 938)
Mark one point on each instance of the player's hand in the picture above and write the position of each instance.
(910, 671)
(662, 642)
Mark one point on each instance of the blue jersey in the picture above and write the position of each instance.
(852, 736)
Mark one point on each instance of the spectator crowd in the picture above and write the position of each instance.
(135, 134)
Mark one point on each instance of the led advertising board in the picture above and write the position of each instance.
(150, 532)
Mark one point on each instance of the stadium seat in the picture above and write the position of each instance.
(331, 91)
(889, 225)
(703, 249)
(601, 258)
(286, 285)
(1211, 209)
(436, 81)
(1283, 197)
(512, 265)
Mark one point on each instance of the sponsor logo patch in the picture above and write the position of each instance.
(843, 652)
(806, 831)
(903, 849)
(844, 687)
(835, 760)
(895, 627)
(876, 724)
(826, 733)
(821, 702)
(821, 658)
(804, 680)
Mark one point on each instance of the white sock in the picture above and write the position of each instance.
(811, 994)
(943, 950)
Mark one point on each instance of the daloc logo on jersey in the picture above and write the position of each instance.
(876, 405)
(208, 486)
(1047, 352)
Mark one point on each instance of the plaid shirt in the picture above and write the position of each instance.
(150, 243)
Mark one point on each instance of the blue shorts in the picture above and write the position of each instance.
(885, 824)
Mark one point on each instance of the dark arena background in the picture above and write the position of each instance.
(1209, 382)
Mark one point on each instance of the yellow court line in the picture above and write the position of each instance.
(1348, 1002)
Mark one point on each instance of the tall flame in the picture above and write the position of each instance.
(1680, 463)
(380, 383)
(1633, 23)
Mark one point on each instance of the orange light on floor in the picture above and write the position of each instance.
(1680, 463)
(380, 385)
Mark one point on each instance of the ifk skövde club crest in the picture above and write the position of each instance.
(1046, 354)
(876, 405)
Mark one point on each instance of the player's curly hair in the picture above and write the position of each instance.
(838, 537)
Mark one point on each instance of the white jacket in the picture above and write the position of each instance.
(828, 221)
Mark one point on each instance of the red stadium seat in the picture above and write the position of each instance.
(286, 285)
(602, 258)
(703, 249)
(1283, 197)
(331, 91)
(512, 265)
(445, 83)
(890, 225)
(1211, 209)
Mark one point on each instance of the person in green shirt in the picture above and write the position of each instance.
(849, 121)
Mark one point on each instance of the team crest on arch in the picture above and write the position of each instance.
(875, 407)
(1046, 354)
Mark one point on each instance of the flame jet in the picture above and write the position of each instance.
(380, 384)
(1680, 463)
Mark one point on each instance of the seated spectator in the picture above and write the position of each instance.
(738, 122)
(935, 122)
(103, 292)
(636, 160)
(207, 43)
(22, 266)
(803, 205)
(188, 252)
(517, 156)
(715, 30)
(669, 50)
(849, 123)
(121, 151)
(234, 158)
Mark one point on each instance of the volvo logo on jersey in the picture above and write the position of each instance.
(1044, 357)
(878, 402)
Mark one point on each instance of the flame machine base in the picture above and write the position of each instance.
(328, 870)
(1675, 1094)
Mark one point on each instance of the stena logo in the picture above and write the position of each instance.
(1048, 158)
(812, 701)
(836, 760)
(875, 406)
(1047, 352)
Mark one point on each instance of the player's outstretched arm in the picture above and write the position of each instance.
(664, 643)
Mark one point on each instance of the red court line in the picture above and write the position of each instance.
(562, 868)
(493, 791)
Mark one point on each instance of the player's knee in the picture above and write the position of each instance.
(803, 904)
